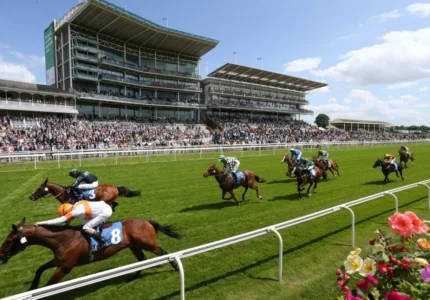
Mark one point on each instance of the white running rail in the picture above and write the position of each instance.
(242, 149)
(177, 256)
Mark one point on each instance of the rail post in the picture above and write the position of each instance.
(58, 156)
(395, 199)
(116, 158)
(281, 246)
(428, 188)
(352, 223)
(35, 158)
(182, 277)
(201, 150)
(80, 159)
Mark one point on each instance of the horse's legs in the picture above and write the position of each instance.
(48, 265)
(309, 188)
(243, 195)
(234, 197)
(59, 273)
(223, 195)
(401, 173)
(332, 173)
(138, 253)
(160, 251)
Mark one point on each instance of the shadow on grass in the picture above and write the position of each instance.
(291, 197)
(377, 182)
(81, 292)
(287, 180)
(216, 205)
(275, 257)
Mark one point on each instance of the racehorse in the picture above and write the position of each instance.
(404, 157)
(287, 159)
(387, 168)
(105, 192)
(71, 247)
(323, 166)
(227, 184)
(303, 179)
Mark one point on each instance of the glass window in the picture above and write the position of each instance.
(167, 66)
(149, 63)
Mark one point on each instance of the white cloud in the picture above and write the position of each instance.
(402, 58)
(300, 65)
(362, 104)
(402, 85)
(423, 89)
(323, 90)
(421, 10)
(409, 98)
(12, 71)
(332, 100)
(32, 60)
(4, 46)
(381, 18)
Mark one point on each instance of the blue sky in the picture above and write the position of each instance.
(375, 55)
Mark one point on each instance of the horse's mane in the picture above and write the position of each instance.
(57, 228)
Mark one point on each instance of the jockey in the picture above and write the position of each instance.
(84, 181)
(391, 159)
(232, 163)
(324, 157)
(94, 213)
(296, 154)
(309, 165)
(406, 149)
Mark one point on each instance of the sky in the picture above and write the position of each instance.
(374, 55)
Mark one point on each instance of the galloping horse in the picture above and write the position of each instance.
(71, 247)
(404, 157)
(387, 169)
(321, 164)
(226, 182)
(105, 192)
(303, 179)
(287, 159)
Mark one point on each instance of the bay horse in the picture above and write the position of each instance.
(71, 247)
(287, 159)
(226, 182)
(303, 178)
(323, 166)
(404, 157)
(105, 192)
(387, 169)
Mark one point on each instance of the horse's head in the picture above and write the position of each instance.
(41, 191)
(212, 170)
(13, 244)
(377, 163)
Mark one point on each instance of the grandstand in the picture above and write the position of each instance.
(256, 93)
(355, 125)
(23, 99)
(122, 65)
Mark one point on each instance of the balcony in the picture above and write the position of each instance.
(254, 107)
(149, 71)
(284, 99)
(150, 84)
(35, 106)
(140, 101)
(86, 57)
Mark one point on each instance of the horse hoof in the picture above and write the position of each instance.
(309, 195)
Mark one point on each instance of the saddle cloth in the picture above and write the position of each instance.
(239, 177)
(112, 233)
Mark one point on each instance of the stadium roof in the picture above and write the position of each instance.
(113, 21)
(258, 76)
(10, 85)
(341, 121)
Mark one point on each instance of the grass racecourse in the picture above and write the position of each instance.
(176, 192)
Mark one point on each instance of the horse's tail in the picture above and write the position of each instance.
(167, 230)
(260, 179)
(123, 191)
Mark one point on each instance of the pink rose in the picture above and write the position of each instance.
(393, 295)
(418, 226)
(401, 224)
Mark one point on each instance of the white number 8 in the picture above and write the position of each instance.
(92, 194)
(116, 236)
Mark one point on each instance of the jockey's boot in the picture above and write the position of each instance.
(78, 193)
(234, 177)
(102, 242)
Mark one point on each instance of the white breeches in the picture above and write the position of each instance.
(234, 167)
(88, 186)
(104, 212)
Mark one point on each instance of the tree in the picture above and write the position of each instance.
(322, 120)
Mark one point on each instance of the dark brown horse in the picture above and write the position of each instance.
(105, 192)
(226, 182)
(303, 178)
(71, 247)
(386, 168)
(404, 157)
(323, 166)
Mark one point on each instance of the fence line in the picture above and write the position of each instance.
(177, 256)
(197, 150)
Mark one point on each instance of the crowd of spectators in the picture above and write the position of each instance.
(53, 133)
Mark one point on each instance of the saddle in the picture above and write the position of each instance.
(237, 177)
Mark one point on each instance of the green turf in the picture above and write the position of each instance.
(176, 192)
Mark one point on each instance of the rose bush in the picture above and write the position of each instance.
(397, 269)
